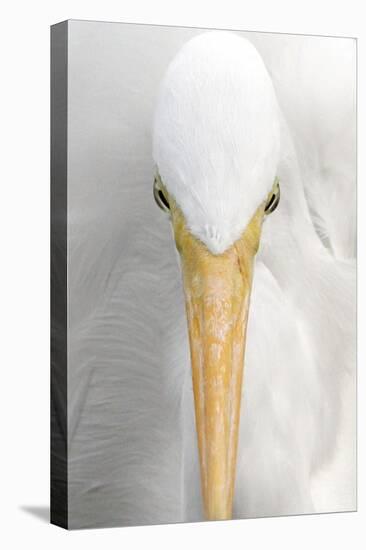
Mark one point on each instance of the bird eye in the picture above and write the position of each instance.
(159, 195)
(273, 198)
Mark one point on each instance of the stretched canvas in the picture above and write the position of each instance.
(203, 220)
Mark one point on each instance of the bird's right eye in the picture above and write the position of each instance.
(159, 195)
(273, 198)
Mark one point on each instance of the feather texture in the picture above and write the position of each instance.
(132, 442)
(216, 135)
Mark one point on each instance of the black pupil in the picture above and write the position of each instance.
(270, 202)
(163, 199)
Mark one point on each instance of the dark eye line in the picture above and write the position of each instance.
(268, 205)
(163, 199)
(274, 199)
(159, 195)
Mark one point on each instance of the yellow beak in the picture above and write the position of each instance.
(217, 293)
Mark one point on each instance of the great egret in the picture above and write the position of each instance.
(217, 145)
(229, 135)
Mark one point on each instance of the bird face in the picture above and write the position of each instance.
(216, 147)
(217, 294)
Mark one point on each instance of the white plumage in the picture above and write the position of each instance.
(216, 135)
(133, 445)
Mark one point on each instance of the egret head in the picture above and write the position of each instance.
(216, 148)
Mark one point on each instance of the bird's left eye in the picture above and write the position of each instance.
(273, 198)
(160, 196)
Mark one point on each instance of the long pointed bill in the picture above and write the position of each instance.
(217, 291)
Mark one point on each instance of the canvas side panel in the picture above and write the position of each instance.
(59, 490)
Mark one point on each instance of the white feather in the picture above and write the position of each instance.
(315, 81)
(132, 441)
(216, 135)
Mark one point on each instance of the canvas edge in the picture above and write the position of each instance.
(58, 268)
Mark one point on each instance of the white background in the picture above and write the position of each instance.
(24, 305)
